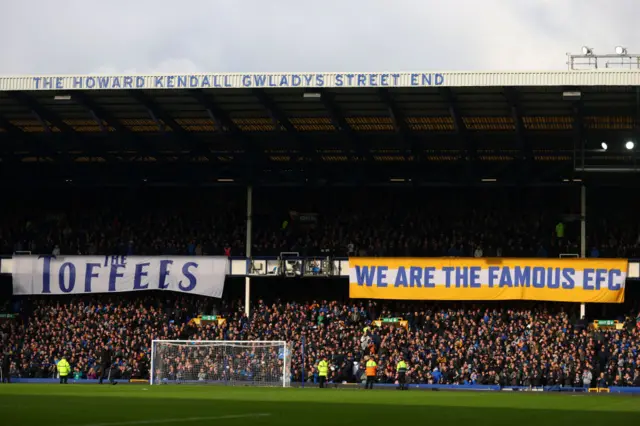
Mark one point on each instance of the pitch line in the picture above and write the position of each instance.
(181, 419)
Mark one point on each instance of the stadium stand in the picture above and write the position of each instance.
(404, 172)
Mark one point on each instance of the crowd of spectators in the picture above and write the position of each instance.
(435, 222)
(527, 345)
(450, 344)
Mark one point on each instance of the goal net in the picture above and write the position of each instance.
(244, 363)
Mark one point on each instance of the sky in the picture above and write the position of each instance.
(185, 36)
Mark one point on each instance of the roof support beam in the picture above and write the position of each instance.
(15, 132)
(216, 123)
(162, 127)
(224, 124)
(213, 111)
(220, 119)
(43, 122)
(9, 127)
(281, 121)
(34, 144)
(458, 123)
(163, 119)
(411, 145)
(579, 142)
(461, 130)
(526, 153)
(277, 117)
(98, 121)
(45, 116)
(400, 125)
(338, 120)
(101, 115)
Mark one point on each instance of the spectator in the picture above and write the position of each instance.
(587, 377)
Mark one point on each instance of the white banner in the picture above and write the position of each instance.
(113, 274)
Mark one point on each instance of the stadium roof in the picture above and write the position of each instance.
(427, 128)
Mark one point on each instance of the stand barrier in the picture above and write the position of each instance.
(486, 388)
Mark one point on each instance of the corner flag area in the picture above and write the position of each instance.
(197, 405)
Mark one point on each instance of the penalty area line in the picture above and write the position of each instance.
(181, 419)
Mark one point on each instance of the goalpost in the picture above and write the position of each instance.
(224, 362)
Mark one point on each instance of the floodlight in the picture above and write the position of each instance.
(604, 145)
(587, 51)
(621, 50)
(629, 145)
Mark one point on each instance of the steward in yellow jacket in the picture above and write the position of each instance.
(323, 371)
(401, 369)
(64, 369)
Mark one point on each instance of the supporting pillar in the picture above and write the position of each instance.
(247, 279)
(583, 236)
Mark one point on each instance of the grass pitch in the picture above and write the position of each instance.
(93, 405)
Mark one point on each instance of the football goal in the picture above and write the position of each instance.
(223, 362)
